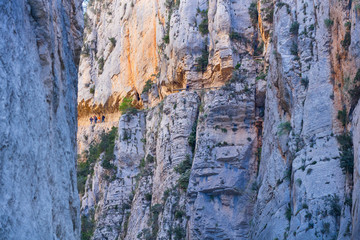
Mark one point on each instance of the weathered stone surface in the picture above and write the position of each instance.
(300, 175)
(124, 46)
(160, 204)
(224, 167)
(39, 49)
(248, 180)
(110, 197)
(356, 191)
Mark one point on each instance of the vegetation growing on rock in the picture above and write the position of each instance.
(105, 145)
(127, 106)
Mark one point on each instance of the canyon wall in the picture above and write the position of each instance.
(151, 191)
(39, 54)
(170, 43)
(305, 191)
(263, 146)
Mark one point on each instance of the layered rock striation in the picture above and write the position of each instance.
(305, 178)
(168, 43)
(161, 187)
(265, 143)
(39, 54)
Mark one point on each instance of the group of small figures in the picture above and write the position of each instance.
(96, 119)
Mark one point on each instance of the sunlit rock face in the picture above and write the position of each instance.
(273, 153)
(39, 54)
(127, 43)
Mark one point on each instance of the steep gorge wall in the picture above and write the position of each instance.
(304, 192)
(39, 54)
(155, 193)
(271, 168)
(171, 43)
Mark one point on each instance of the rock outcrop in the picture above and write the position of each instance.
(39, 54)
(149, 196)
(170, 43)
(305, 178)
(224, 167)
(265, 145)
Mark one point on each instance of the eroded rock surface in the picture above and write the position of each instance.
(224, 166)
(170, 43)
(108, 195)
(39, 54)
(305, 193)
(270, 154)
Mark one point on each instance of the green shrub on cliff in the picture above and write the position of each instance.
(184, 168)
(127, 106)
(342, 116)
(204, 25)
(147, 86)
(294, 28)
(357, 76)
(328, 23)
(87, 226)
(202, 61)
(284, 127)
(192, 137)
(113, 41)
(346, 153)
(106, 146)
(101, 63)
(253, 12)
(183, 181)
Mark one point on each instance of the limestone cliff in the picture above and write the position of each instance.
(305, 174)
(154, 193)
(263, 146)
(39, 54)
(170, 43)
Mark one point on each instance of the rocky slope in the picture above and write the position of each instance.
(271, 154)
(39, 55)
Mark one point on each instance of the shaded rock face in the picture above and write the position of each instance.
(39, 49)
(152, 195)
(113, 199)
(304, 193)
(224, 166)
(273, 153)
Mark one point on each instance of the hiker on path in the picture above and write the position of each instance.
(95, 119)
(103, 118)
(187, 87)
(91, 119)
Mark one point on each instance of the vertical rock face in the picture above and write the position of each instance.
(271, 154)
(149, 196)
(170, 43)
(224, 166)
(39, 50)
(305, 191)
(356, 190)
(168, 129)
(113, 199)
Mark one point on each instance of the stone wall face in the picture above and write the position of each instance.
(267, 154)
(129, 42)
(39, 55)
(167, 196)
(303, 186)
